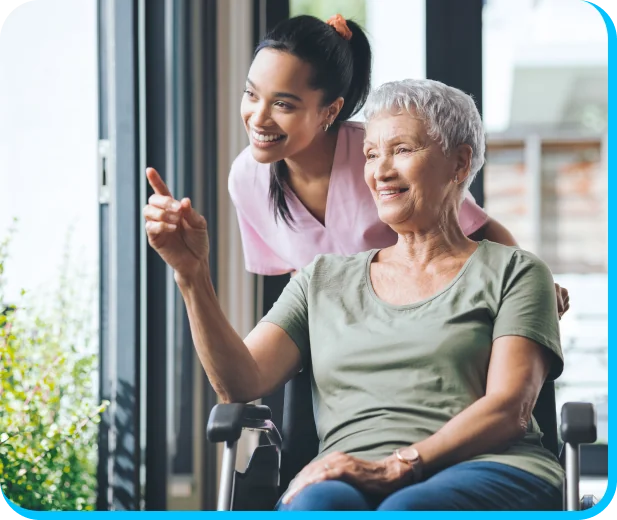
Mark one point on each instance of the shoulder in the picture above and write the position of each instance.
(349, 151)
(524, 261)
(336, 261)
(243, 168)
(246, 175)
(326, 269)
(514, 264)
(512, 255)
(354, 126)
(496, 252)
(354, 132)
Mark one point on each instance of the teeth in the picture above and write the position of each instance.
(266, 138)
(390, 192)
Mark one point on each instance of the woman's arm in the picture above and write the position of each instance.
(239, 371)
(525, 352)
(495, 232)
(517, 370)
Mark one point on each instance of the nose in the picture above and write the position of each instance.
(260, 116)
(384, 169)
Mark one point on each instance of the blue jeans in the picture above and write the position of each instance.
(469, 486)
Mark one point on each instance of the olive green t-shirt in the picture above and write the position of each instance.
(386, 376)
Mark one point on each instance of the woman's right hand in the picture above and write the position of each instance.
(175, 230)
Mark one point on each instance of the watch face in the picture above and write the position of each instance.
(412, 454)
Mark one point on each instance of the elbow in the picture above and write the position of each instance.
(512, 416)
(240, 390)
(229, 398)
(227, 395)
(234, 395)
(520, 426)
(518, 418)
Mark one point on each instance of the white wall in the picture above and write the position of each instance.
(48, 137)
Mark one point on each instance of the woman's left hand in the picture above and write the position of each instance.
(563, 300)
(379, 477)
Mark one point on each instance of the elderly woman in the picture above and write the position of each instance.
(427, 357)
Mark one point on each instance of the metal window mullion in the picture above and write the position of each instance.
(170, 179)
(143, 244)
(119, 480)
(533, 172)
(124, 272)
(103, 150)
(113, 267)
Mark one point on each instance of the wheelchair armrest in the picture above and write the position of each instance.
(578, 423)
(227, 421)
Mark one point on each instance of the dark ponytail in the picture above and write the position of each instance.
(360, 84)
(341, 68)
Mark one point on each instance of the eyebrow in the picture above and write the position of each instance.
(287, 95)
(395, 140)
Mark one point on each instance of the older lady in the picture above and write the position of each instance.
(427, 357)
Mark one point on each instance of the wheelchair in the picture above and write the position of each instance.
(273, 466)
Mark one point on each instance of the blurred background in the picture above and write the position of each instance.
(93, 91)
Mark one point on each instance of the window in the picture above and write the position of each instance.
(48, 138)
(545, 110)
(49, 183)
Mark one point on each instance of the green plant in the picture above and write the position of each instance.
(48, 404)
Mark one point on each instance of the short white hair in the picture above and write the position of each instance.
(451, 116)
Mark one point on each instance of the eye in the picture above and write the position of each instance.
(403, 149)
(284, 106)
(249, 93)
(370, 155)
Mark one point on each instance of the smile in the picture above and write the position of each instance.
(391, 194)
(265, 140)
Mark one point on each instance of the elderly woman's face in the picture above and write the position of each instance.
(407, 172)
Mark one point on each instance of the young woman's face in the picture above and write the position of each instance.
(282, 114)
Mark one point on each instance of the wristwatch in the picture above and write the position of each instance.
(411, 458)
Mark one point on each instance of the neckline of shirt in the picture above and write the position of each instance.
(408, 306)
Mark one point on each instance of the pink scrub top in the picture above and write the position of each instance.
(352, 224)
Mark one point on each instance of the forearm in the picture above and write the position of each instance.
(489, 425)
(228, 363)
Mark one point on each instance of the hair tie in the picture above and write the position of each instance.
(340, 25)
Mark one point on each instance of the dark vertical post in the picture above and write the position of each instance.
(210, 211)
(267, 13)
(454, 53)
(156, 455)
